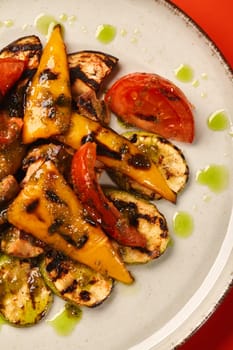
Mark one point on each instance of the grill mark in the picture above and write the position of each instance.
(77, 73)
(53, 197)
(139, 161)
(102, 150)
(70, 288)
(85, 295)
(31, 207)
(24, 47)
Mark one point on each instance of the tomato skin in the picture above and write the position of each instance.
(100, 209)
(152, 103)
(10, 71)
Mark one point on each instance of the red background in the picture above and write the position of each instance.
(215, 17)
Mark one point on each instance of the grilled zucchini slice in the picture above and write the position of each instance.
(147, 219)
(168, 158)
(75, 282)
(25, 298)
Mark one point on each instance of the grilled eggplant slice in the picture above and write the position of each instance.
(88, 70)
(25, 298)
(75, 282)
(168, 158)
(147, 220)
(47, 208)
(21, 245)
(48, 103)
(28, 49)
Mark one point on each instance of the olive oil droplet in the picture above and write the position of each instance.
(44, 23)
(105, 33)
(184, 73)
(218, 121)
(216, 177)
(183, 224)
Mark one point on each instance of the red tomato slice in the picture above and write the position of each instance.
(100, 209)
(10, 71)
(152, 103)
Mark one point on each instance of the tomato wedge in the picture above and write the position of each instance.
(152, 103)
(11, 70)
(100, 209)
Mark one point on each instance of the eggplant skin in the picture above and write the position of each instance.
(75, 282)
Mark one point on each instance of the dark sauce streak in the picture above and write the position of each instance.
(102, 150)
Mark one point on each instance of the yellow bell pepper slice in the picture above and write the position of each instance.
(48, 103)
(48, 209)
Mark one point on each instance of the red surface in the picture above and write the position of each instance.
(215, 17)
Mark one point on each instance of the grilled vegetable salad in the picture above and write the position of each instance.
(62, 232)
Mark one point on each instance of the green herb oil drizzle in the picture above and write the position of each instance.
(105, 33)
(65, 322)
(218, 121)
(216, 177)
(183, 224)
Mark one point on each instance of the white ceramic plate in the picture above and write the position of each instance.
(173, 295)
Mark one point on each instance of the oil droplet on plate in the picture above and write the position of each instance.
(44, 23)
(105, 33)
(184, 73)
(64, 322)
(183, 224)
(218, 121)
(216, 177)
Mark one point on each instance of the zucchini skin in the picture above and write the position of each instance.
(74, 282)
(25, 298)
